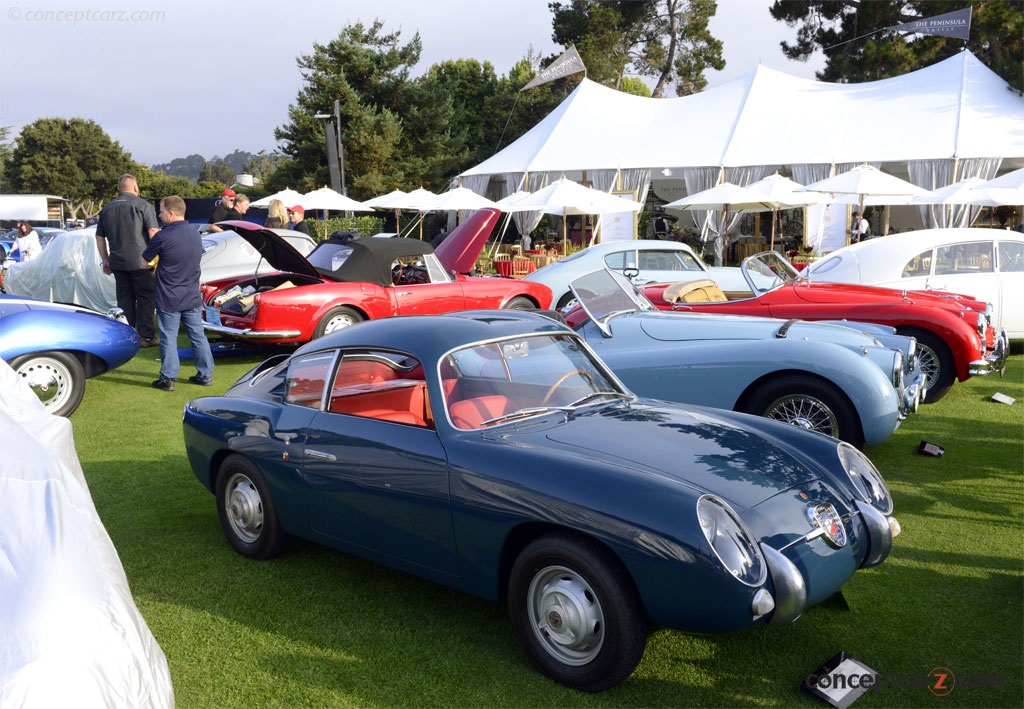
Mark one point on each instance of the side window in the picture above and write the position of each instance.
(620, 260)
(1011, 256)
(975, 257)
(382, 385)
(667, 261)
(919, 265)
(307, 379)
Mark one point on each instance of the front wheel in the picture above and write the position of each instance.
(936, 360)
(576, 612)
(56, 378)
(337, 319)
(246, 511)
(807, 403)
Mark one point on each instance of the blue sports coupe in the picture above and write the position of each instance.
(55, 347)
(492, 451)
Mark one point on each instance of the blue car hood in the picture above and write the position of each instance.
(689, 327)
(695, 447)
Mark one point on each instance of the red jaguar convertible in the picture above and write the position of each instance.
(955, 338)
(345, 281)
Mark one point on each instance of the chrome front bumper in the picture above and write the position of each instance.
(995, 360)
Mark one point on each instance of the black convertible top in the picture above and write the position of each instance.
(365, 260)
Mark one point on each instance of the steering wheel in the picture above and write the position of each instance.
(562, 379)
(396, 273)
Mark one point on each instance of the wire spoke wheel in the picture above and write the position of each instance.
(806, 412)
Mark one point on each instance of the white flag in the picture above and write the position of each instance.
(568, 63)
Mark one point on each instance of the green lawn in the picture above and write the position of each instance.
(319, 628)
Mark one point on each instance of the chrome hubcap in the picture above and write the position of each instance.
(48, 380)
(244, 508)
(565, 615)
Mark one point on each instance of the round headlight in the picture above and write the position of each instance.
(866, 478)
(732, 543)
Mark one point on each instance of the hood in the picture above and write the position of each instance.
(10, 304)
(460, 249)
(693, 327)
(273, 248)
(849, 293)
(695, 447)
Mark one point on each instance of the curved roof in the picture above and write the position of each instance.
(957, 108)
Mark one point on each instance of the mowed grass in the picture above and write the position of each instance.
(319, 628)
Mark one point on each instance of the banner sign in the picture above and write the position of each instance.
(952, 24)
(568, 63)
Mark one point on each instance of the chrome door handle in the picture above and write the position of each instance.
(320, 454)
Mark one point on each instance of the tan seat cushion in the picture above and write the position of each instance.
(699, 291)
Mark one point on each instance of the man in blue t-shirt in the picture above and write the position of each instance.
(125, 226)
(179, 299)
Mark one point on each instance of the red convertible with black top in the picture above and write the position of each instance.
(345, 281)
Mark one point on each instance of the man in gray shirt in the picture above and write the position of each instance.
(123, 231)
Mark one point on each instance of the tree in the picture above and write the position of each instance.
(5, 155)
(859, 46)
(70, 157)
(367, 71)
(665, 39)
(263, 165)
(218, 171)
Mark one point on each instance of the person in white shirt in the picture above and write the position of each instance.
(860, 230)
(28, 241)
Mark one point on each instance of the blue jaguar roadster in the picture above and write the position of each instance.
(492, 451)
(55, 347)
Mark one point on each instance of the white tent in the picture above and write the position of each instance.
(955, 109)
(942, 123)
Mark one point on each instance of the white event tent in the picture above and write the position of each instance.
(940, 124)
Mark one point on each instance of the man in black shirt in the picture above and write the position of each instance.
(123, 231)
(225, 205)
(298, 216)
(237, 212)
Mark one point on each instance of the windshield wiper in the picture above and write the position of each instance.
(523, 413)
(596, 394)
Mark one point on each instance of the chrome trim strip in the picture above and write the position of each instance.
(248, 333)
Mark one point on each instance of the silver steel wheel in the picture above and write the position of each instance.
(565, 615)
(57, 380)
(806, 412)
(244, 508)
(339, 322)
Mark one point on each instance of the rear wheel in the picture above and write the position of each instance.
(520, 303)
(337, 319)
(57, 378)
(807, 403)
(565, 301)
(246, 511)
(936, 360)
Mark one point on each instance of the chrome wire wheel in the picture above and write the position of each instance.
(565, 615)
(806, 412)
(244, 508)
(930, 364)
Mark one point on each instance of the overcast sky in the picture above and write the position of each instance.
(169, 79)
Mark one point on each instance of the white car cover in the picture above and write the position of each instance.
(70, 633)
(67, 271)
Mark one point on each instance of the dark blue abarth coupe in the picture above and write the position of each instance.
(493, 452)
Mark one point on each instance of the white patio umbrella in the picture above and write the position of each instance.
(384, 202)
(419, 199)
(870, 186)
(327, 199)
(723, 197)
(506, 205)
(783, 193)
(289, 196)
(1011, 180)
(459, 199)
(564, 197)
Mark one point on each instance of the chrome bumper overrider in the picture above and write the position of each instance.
(790, 588)
(994, 361)
(248, 334)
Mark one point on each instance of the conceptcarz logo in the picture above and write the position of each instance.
(841, 683)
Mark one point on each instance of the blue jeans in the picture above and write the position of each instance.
(192, 322)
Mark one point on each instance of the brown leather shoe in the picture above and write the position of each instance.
(149, 342)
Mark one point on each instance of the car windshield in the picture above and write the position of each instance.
(767, 271)
(605, 294)
(495, 382)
